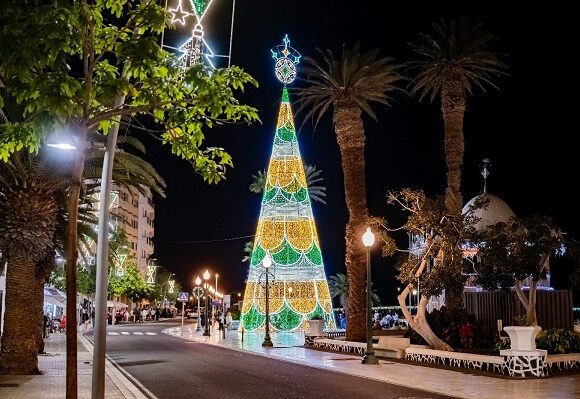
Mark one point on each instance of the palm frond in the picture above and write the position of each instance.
(356, 77)
(456, 50)
(258, 182)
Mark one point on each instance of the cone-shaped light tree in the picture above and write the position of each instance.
(286, 231)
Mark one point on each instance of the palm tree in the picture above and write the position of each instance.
(28, 221)
(338, 286)
(316, 192)
(248, 249)
(18, 178)
(451, 62)
(348, 85)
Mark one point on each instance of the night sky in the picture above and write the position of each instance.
(525, 129)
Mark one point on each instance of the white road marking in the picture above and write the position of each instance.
(125, 333)
(150, 333)
(112, 333)
(137, 333)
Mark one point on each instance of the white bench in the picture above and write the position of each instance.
(340, 345)
(457, 359)
(389, 344)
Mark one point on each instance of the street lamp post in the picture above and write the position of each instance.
(369, 357)
(197, 283)
(267, 262)
(206, 332)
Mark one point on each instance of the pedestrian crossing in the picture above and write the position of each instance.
(131, 333)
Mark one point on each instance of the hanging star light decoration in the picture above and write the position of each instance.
(286, 60)
(195, 47)
(179, 14)
(120, 269)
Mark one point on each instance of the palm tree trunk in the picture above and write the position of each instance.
(20, 340)
(351, 141)
(453, 108)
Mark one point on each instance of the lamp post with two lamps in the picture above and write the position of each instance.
(267, 262)
(369, 357)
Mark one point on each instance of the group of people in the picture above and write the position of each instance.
(386, 320)
(144, 314)
(51, 325)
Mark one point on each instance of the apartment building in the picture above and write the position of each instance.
(133, 212)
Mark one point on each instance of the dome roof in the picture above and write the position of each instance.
(495, 211)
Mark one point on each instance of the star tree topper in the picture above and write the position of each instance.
(286, 60)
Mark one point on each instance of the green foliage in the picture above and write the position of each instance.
(116, 42)
(516, 250)
(558, 341)
(248, 248)
(338, 286)
(456, 52)
(131, 283)
(555, 341)
(316, 192)
(355, 78)
(235, 312)
(439, 237)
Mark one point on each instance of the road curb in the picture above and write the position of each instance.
(129, 386)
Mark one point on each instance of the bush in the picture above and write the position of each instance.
(558, 341)
(554, 340)
(235, 312)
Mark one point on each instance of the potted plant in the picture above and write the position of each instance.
(316, 325)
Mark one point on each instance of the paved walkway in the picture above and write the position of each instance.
(288, 347)
(52, 383)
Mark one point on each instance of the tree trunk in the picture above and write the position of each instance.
(531, 317)
(37, 307)
(419, 322)
(453, 108)
(20, 339)
(351, 141)
(71, 262)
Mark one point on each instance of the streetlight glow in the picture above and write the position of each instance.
(62, 146)
(267, 262)
(368, 238)
(197, 281)
(206, 275)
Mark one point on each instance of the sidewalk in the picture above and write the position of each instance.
(289, 347)
(52, 383)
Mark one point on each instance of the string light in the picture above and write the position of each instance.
(287, 232)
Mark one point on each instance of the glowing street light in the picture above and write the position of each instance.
(267, 262)
(368, 239)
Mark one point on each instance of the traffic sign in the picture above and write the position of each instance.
(197, 292)
(183, 296)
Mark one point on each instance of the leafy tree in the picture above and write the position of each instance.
(347, 85)
(517, 253)
(84, 67)
(431, 258)
(316, 192)
(450, 62)
(131, 283)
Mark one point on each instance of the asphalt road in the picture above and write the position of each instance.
(172, 368)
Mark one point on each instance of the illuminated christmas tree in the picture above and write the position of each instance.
(286, 232)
